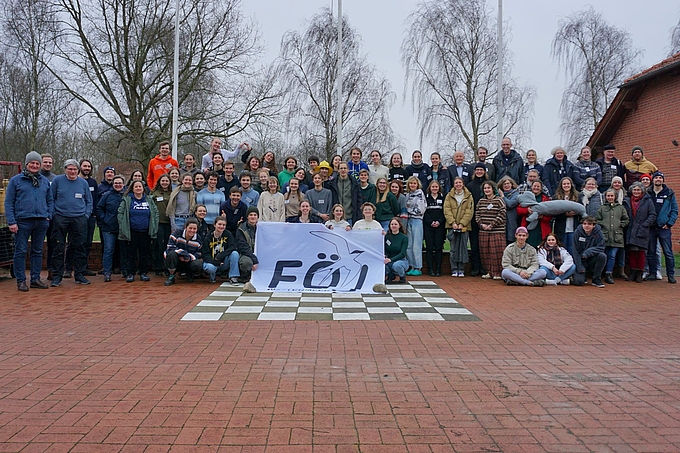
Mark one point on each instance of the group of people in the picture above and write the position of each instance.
(202, 221)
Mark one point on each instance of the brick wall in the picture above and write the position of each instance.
(653, 125)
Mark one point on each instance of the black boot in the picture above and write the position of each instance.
(609, 278)
(430, 265)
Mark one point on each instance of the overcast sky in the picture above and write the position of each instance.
(381, 25)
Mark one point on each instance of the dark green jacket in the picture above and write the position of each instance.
(613, 218)
(124, 218)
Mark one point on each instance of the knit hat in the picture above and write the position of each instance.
(480, 165)
(608, 147)
(646, 175)
(252, 209)
(71, 162)
(325, 164)
(30, 157)
(636, 148)
(658, 173)
(521, 230)
(108, 168)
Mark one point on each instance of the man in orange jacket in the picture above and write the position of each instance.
(160, 164)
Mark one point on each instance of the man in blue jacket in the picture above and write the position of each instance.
(666, 215)
(589, 252)
(28, 207)
(72, 207)
(508, 162)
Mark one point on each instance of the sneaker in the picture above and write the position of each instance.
(170, 280)
(402, 279)
(511, 283)
(233, 281)
(538, 283)
(130, 278)
(645, 275)
(67, 274)
(212, 279)
(39, 284)
(658, 275)
(107, 277)
(565, 282)
(671, 279)
(82, 281)
(89, 273)
(22, 286)
(190, 277)
(144, 277)
(609, 278)
(486, 276)
(454, 274)
(56, 282)
(497, 277)
(416, 272)
(598, 283)
(550, 282)
(410, 272)
(461, 274)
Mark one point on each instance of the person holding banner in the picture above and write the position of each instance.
(245, 243)
(396, 244)
(368, 222)
(305, 215)
(338, 220)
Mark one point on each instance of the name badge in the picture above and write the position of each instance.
(321, 201)
(465, 173)
(159, 198)
(613, 167)
(217, 201)
(659, 200)
(235, 211)
(287, 201)
(91, 189)
(415, 174)
(587, 168)
(439, 201)
(222, 189)
(388, 242)
(582, 239)
(79, 195)
(489, 206)
(429, 177)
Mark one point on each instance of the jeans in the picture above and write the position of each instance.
(664, 238)
(397, 268)
(611, 253)
(507, 274)
(550, 275)
(109, 245)
(230, 264)
(415, 243)
(569, 242)
(36, 229)
(76, 230)
(385, 224)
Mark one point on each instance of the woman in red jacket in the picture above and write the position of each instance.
(539, 233)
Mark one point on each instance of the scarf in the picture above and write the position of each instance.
(553, 255)
(34, 177)
(635, 204)
(587, 194)
(171, 201)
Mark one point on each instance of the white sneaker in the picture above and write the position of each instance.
(461, 273)
(645, 275)
(658, 275)
(486, 276)
(565, 282)
(551, 282)
(454, 274)
(497, 277)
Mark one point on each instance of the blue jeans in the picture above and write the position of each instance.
(550, 275)
(397, 268)
(230, 264)
(35, 229)
(664, 238)
(109, 244)
(414, 252)
(611, 253)
(386, 225)
(569, 242)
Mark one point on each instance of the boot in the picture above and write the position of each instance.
(609, 278)
(438, 270)
(619, 273)
(438, 260)
(632, 276)
(638, 275)
(430, 266)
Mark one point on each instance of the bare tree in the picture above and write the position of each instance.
(309, 65)
(450, 58)
(116, 59)
(675, 40)
(596, 57)
(36, 114)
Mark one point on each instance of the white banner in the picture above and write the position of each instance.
(304, 257)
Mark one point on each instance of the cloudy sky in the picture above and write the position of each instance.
(381, 24)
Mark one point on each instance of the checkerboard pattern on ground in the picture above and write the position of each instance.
(415, 301)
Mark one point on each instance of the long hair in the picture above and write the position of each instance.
(378, 198)
(402, 230)
(560, 194)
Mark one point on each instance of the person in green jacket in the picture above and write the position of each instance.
(613, 218)
(386, 204)
(138, 225)
(396, 243)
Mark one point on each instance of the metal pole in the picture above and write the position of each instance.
(175, 84)
(339, 77)
(501, 108)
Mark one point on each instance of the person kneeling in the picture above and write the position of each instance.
(219, 252)
(520, 262)
(184, 252)
(245, 242)
(589, 252)
(396, 244)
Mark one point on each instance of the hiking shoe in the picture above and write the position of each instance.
(39, 284)
(598, 283)
(671, 279)
(170, 280)
(21, 286)
(82, 281)
(609, 278)
(511, 283)
(56, 281)
(538, 283)
(130, 278)
(144, 277)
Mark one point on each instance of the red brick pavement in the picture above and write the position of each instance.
(110, 368)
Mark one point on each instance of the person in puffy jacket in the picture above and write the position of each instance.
(613, 219)
(107, 218)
